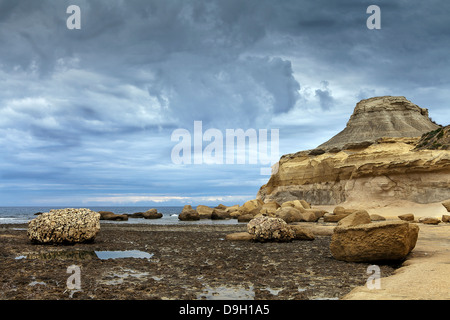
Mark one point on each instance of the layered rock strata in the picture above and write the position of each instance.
(354, 167)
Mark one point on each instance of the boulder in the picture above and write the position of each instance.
(445, 218)
(239, 236)
(406, 217)
(220, 214)
(64, 226)
(204, 211)
(188, 214)
(293, 204)
(270, 229)
(108, 215)
(136, 215)
(302, 233)
(289, 214)
(429, 220)
(251, 207)
(152, 214)
(245, 217)
(356, 218)
(233, 211)
(446, 204)
(312, 215)
(269, 208)
(377, 241)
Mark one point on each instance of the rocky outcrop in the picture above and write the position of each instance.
(387, 167)
(371, 242)
(66, 226)
(378, 117)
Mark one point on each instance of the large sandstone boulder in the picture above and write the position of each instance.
(270, 229)
(188, 214)
(289, 214)
(371, 242)
(220, 214)
(429, 220)
(406, 217)
(204, 211)
(66, 226)
(252, 207)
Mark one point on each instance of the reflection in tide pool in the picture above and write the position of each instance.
(104, 255)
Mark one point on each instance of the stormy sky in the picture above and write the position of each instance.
(87, 115)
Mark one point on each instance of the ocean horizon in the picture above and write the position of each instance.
(24, 214)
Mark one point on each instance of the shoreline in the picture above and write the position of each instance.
(197, 251)
(188, 262)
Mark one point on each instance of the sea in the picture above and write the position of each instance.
(20, 215)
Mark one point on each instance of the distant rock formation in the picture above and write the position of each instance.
(374, 118)
(390, 150)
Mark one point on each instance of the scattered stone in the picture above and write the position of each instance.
(108, 215)
(136, 215)
(152, 214)
(356, 218)
(378, 241)
(245, 217)
(270, 229)
(188, 214)
(302, 233)
(269, 208)
(406, 217)
(251, 207)
(239, 236)
(220, 214)
(429, 220)
(204, 211)
(64, 226)
(289, 214)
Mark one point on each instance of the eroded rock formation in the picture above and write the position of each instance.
(376, 157)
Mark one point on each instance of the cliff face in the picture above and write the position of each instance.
(354, 169)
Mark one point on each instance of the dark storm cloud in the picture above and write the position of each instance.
(100, 103)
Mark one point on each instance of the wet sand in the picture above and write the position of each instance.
(189, 262)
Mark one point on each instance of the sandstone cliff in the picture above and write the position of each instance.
(358, 167)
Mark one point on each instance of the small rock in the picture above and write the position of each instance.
(445, 218)
(302, 233)
(358, 217)
(152, 214)
(239, 236)
(406, 217)
(429, 220)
